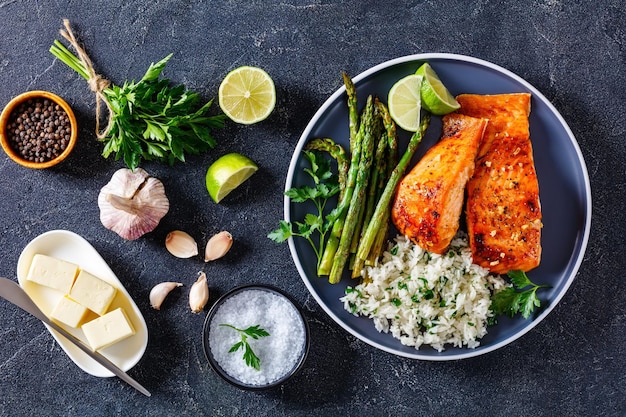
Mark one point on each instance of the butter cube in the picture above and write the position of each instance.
(51, 272)
(68, 311)
(92, 292)
(109, 329)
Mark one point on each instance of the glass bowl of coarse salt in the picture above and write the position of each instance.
(38, 129)
(255, 337)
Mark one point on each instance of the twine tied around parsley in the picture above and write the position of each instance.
(97, 83)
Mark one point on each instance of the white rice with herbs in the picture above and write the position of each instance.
(423, 298)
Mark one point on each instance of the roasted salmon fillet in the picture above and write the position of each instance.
(503, 209)
(429, 199)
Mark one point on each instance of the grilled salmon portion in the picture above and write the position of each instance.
(503, 209)
(429, 199)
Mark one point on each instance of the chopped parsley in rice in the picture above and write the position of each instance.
(423, 298)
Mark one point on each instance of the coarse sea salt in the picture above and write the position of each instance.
(279, 353)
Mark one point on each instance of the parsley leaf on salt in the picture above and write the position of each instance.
(249, 356)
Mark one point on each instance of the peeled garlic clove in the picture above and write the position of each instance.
(218, 246)
(181, 244)
(160, 291)
(199, 293)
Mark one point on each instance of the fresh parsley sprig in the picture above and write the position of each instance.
(326, 186)
(520, 298)
(249, 356)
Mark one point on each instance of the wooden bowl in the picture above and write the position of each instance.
(15, 154)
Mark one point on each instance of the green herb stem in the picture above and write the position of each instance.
(68, 58)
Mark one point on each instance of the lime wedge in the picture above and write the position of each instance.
(404, 102)
(227, 173)
(247, 95)
(435, 96)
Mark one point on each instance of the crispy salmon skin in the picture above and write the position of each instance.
(503, 209)
(429, 199)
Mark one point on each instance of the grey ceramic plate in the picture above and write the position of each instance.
(563, 181)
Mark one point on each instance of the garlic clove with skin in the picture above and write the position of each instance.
(181, 244)
(160, 291)
(132, 203)
(218, 246)
(199, 293)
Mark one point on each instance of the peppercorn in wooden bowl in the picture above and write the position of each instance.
(38, 129)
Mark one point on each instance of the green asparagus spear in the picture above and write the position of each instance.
(356, 135)
(390, 128)
(378, 172)
(374, 192)
(363, 174)
(353, 110)
(379, 240)
(383, 205)
(370, 200)
(341, 211)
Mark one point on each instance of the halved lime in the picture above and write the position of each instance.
(247, 95)
(404, 102)
(435, 96)
(227, 173)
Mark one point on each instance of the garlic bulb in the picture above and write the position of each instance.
(132, 203)
(181, 244)
(218, 246)
(199, 293)
(160, 291)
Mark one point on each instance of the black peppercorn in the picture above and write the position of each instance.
(38, 130)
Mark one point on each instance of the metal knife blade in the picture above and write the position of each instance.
(12, 292)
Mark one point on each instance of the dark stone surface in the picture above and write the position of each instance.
(571, 364)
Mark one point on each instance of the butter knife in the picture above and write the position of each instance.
(12, 292)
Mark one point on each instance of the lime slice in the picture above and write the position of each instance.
(247, 95)
(228, 173)
(404, 102)
(435, 96)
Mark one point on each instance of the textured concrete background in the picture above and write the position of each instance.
(571, 364)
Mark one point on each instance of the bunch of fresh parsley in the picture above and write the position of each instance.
(152, 121)
(149, 119)
(326, 185)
